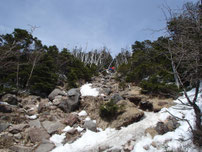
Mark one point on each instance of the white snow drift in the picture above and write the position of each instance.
(171, 141)
(87, 90)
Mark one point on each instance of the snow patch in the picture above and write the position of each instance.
(88, 140)
(79, 129)
(57, 139)
(87, 90)
(31, 117)
(67, 129)
(171, 141)
(92, 141)
(4, 103)
(82, 113)
(87, 119)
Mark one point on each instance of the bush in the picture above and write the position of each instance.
(156, 87)
(109, 110)
(139, 73)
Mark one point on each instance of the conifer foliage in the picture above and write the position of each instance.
(26, 64)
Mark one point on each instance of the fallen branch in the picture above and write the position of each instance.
(182, 119)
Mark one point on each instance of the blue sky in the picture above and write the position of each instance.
(115, 24)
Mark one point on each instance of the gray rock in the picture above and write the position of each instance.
(18, 128)
(55, 93)
(116, 98)
(74, 92)
(70, 104)
(10, 99)
(3, 126)
(107, 91)
(18, 148)
(90, 125)
(35, 123)
(172, 123)
(37, 134)
(52, 126)
(161, 128)
(45, 147)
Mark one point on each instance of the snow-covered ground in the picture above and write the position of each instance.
(180, 139)
(171, 141)
(87, 90)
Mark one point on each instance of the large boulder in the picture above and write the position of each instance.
(72, 102)
(161, 128)
(53, 126)
(68, 105)
(10, 99)
(55, 93)
(37, 134)
(130, 115)
(73, 92)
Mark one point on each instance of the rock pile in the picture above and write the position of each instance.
(31, 123)
(27, 122)
(131, 99)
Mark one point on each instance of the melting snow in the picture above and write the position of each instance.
(79, 129)
(87, 119)
(32, 117)
(173, 141)
(87, 90)
(91, 141)
(67, 129)
(83, 113)
(58, 139)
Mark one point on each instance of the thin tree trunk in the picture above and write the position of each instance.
(173, 67)
(30, 75)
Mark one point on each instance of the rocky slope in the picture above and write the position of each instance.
(30, 123)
